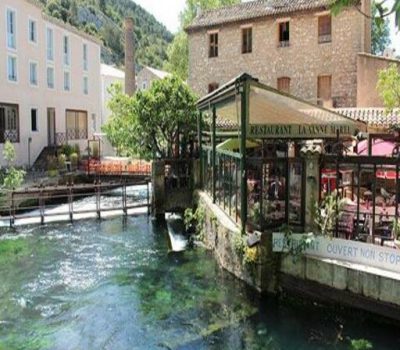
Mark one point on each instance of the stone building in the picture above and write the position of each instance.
(147, 75)
(296, 46)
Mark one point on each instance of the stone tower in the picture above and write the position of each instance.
(130, 79)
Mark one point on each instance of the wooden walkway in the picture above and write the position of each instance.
(42, 202)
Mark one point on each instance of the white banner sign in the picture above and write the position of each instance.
(344, 250)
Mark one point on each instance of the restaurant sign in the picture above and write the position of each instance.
(300, 130)
(339, 249)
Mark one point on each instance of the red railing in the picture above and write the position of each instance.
(112, 167)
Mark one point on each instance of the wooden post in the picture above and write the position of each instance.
(41, 209)
(124, 199)
(12, 211)
(148, 199)
(98, 189)
(200, 146)
(70, 204)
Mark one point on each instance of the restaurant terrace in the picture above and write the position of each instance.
(268, 159)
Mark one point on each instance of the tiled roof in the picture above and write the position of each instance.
(159, 73)
(375, 117)
(254, 9)
(372, 116)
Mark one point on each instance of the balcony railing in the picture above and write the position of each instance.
(10, 135)
(77, 134)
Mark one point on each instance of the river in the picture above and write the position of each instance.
(112, 284)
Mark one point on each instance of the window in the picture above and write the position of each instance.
(325, 29)
(66, 50)
(284, 84)
(213, 47)
(85, 57)
(212, 87)
(86, 85)
(247, 40)
(9, 123)
(77, 125)
(50, 44)
(32, 31)
(284, 34)
(11, 29)
(67, 81)
(33, 73)
(144, 85)
(325, 91)
(12, 68)
(50, 77)
(34, 126)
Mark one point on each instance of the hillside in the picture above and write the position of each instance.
(104, 20)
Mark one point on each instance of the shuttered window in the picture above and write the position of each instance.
(284, 84)
(213, 49)
(325, 29)
(324, 90)
(247, 40)
(284, 34)
(77, 125)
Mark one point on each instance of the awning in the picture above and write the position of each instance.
(234, 145)
(274, 114)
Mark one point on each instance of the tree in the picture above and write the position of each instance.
(148, 124)
(380, 34)
(178, 50)
(383, 11)
(13, 177)
(389, 87)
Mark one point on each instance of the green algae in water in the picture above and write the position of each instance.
(112, 285)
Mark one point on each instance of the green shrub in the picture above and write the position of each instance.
(360, 344)
(74, 158)
(62, 158)
(67, 150)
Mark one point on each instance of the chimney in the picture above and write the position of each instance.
(130, 83)
(366, 26)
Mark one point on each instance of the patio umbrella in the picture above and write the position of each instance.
(234, 144)
(379, 148)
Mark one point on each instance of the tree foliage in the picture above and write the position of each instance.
(178, 50)
(13, 177)
(384, 9)
(380, 34)
(389, 87)
(104, 20)
(148, 124)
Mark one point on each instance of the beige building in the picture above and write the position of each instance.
(296, 46)
(147, 75)
(49, 81)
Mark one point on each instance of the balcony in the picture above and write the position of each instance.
(322, 39)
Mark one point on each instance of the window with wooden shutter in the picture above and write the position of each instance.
(325, 29)
(325, 90)
(284, 84)
(213, 45)
(247, 40)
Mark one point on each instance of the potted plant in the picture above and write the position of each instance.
(396, 232)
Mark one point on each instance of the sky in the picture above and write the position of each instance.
(167, 12)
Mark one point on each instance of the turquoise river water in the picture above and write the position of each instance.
(112, 285)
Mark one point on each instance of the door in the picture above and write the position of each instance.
(51, 126)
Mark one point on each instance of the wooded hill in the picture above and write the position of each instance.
(104, 19)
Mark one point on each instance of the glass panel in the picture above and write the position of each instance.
(295, 193)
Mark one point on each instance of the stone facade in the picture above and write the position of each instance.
(147, 75)
(303, 61)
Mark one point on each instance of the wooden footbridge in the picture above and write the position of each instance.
(76, 201)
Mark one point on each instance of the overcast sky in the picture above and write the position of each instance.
(167, 12)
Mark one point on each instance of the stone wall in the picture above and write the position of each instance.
(303, 61)
(368, 67)
(219, 235)
(342, 283)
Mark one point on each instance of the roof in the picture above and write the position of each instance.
(274, 114)
(372, 116)
(375, 117)
(111, 71)
(159, 73)
(62, 24)
(253, 10)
